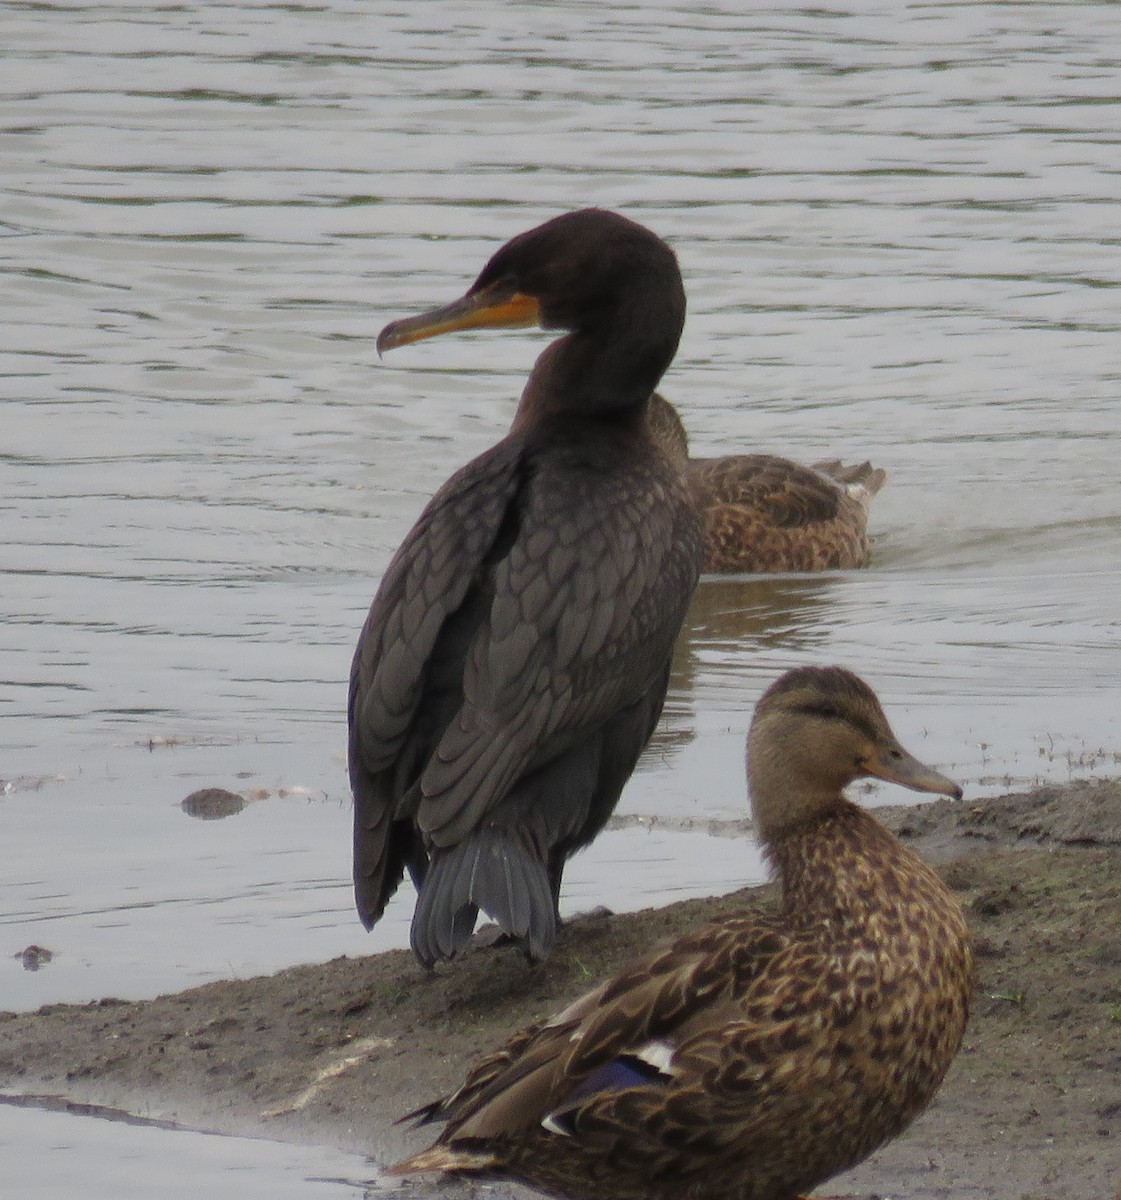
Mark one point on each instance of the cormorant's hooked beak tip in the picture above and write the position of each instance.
(395, 334)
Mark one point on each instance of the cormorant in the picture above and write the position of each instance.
(516, 656)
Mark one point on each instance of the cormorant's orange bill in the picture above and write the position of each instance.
(495, 306)
(893, 763)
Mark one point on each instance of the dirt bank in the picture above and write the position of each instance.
(334, 1052)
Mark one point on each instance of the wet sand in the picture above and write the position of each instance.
(334, 1052)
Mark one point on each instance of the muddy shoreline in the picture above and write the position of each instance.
(334, 1052)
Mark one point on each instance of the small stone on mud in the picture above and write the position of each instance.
(34, 957)
(212, 804)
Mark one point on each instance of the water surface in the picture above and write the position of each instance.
(91, 1152)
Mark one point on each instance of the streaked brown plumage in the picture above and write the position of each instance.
(764, 1053)
(516, 655)
(764, 513)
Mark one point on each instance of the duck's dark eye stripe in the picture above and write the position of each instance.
(823, 709)
(830, 712)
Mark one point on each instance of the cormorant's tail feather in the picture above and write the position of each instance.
(487, 872)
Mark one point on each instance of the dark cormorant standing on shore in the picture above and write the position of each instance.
(516, 656)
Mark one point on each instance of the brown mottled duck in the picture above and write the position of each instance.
(763, 513)
(516, 655)
(762, 1054)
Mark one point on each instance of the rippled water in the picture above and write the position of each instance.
(47, 1154)
(898, 229)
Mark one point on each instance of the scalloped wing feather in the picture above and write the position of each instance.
(764, 513)
(424, 584)
(785, 492)
(565, 647)
(673, 997)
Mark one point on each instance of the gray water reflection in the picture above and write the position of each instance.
(47, 1154)
(898, 231)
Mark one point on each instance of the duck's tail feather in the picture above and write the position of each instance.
(443, 1158)
(854, 475)
(489, 872)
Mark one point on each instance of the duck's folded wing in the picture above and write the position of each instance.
(622, 1035)
(785, 493)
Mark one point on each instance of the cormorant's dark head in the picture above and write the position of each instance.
(589, 271)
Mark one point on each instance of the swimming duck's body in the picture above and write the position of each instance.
(763, 513)
(762, 1054)
(516, 656)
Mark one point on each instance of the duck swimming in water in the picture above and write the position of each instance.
(765, 1052)
(516, 656)
(763, 513)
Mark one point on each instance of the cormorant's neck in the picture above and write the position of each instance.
(599, 373)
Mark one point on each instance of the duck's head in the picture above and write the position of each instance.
(667, 429)
(586, 271)
(815, 730)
